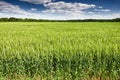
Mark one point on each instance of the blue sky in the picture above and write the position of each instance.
(60, 9)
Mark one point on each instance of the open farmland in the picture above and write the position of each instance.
(60, 50)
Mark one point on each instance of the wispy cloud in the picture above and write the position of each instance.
(67, 8)
(33, 9)
(100, 7)
(53, 9)
(102, 10)
(37, 1)
(9, 8)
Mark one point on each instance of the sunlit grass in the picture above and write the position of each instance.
(60, 50)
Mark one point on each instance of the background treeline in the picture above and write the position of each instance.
(12, 19)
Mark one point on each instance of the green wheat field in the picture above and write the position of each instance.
(59, 51)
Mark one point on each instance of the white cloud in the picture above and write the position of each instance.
(108, 16)
(75, 11)
(67, 8)
(100, 7)
(33, 9)
(102, 10)
(62, 17)
(37, 1)
(94, 16)
(9, 8)
(90, 12)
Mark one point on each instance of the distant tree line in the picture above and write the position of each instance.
(12, 19)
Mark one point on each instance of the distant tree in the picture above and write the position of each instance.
(12, 19)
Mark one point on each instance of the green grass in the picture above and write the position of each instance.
(60, 51)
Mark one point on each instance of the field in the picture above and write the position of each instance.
(60, 51)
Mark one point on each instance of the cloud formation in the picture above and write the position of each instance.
(53, 9)
(102, 10)
(33, 9)
(67, 8)
(9, 8)
(37, 1)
